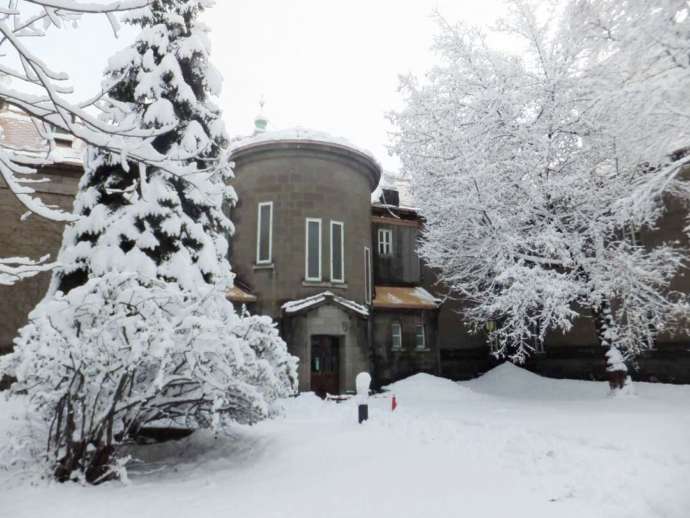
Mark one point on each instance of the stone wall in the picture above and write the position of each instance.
(34, 238)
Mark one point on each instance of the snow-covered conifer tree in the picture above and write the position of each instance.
(136, 327)
(169, 225)
(526, 187)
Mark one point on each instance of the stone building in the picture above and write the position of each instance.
(325, 244)
(339, 275)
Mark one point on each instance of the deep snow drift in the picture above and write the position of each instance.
(507, 444)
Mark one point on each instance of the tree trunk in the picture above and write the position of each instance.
(603, 321)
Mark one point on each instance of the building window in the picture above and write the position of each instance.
(420, 337)
(337, 251)
(396, 336)
(385, 241)
(313, 250)
(62, 137)
(264, 233)
(367, 275)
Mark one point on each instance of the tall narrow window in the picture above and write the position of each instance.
(396, 336)
(337, 251)
(313, 250)
(264, 233)
(385, 241)
(367, 275)
(420, 337)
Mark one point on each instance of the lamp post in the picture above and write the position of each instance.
(362, 383)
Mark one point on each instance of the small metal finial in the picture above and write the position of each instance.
(261, 121)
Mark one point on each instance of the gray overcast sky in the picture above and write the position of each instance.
(325, 64)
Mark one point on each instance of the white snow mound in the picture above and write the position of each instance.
(427, 387)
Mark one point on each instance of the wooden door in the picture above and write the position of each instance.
(325, 378)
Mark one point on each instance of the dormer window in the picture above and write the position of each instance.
(385, 241)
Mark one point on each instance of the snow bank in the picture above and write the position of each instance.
(426, 387)
(449, 447)
(509, 380)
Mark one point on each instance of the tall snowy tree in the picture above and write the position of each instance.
(526, 187)
(160, 223)
(136, 327)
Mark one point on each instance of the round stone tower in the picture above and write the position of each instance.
(303, 246)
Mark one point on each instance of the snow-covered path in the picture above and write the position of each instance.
(509, 443)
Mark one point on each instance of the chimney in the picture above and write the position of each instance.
(390, 197)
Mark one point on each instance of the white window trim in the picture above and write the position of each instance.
(397, 325)
(342, 251)
(416, 329)
(387, 243)
(367, 278)
(270, 233)
(306, 250)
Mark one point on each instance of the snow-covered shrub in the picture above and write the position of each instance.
(121, 352)
(135, 328)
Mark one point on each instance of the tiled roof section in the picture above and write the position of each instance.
(19, 133)
(238, 295)
(298, 306)
(397, 297)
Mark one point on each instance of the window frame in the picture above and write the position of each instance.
(259, 260)
(340, 279)
(423, 347)
(306, 249)
(387, 243)
(367, 275)
(396, 324)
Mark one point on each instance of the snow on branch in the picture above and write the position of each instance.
(91, 7)
(13, 269)
(39, 91)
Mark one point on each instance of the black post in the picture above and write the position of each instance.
(363, 413)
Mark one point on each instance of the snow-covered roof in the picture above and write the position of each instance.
(300, 134)
(297, 306)
(396, 182)
(404, 297)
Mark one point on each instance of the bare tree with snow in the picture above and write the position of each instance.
(136, 328)
(530, 172)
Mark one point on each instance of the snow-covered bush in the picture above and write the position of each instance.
(122, 352)
(135, 328)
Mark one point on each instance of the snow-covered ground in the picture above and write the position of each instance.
(507, 444)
